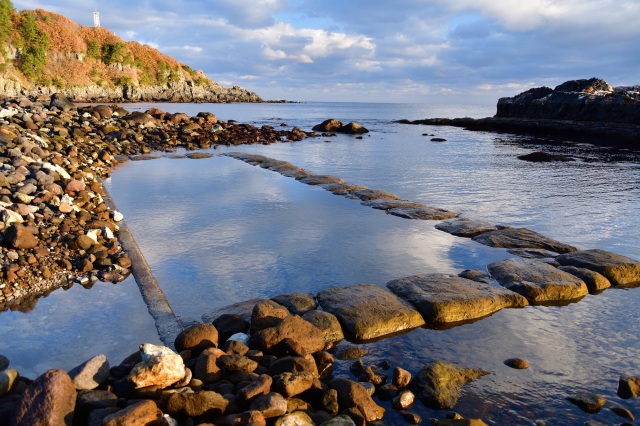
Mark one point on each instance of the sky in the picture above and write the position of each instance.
(422, 51)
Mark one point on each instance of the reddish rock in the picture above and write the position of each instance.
(144, 412)
(267, 314)
(197, 338)
(19, 237)
(49, 400)
(75, 185)
(294, 327)
(258, 386)
(352, 394)
(207, 403)
(253, 417)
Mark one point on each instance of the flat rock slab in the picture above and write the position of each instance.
(521, 238)
(443, 298)
(539, 282)
(321, 180)
(421, 213)
(373, 194)
(467, 228)
(595, 281)
(343, 188)
(620, 270)
(367, 311)
(386, 204)
(243, 309)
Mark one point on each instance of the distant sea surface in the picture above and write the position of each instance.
(217, 231)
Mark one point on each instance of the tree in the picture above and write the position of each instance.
(6, 9)
(116, 52)
(35, 47)
(93, 50)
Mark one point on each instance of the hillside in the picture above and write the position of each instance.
(42, 53)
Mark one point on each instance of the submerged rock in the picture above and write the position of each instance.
(544, 157)
(438, 384)
(537, 281)
(443, 298)
(587, 401)
(421, 213)
(367, 311)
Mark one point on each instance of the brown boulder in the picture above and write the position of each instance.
(143, 412)
(521, 238)
(197, 338)
(267, 314)
(19, 237)
(352, 394)
(620, 270)
(294, 327)
(207, 403)
(49, 400)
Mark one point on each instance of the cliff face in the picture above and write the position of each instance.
(93, 64)
(590, 100)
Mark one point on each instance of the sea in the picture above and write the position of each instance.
(217, 231)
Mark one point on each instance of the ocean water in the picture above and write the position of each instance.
(217, 231)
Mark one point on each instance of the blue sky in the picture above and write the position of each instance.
(425, 51)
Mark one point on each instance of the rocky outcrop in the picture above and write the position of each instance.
(590, 110)
(619, 270)
(181, 91)
(333, 125)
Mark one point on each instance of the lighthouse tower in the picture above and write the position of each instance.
(96, 19)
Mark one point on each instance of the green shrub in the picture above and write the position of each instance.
(35, 47)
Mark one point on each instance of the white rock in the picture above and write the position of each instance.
(108, 233)
(241, 337)
(117, 216)
(160, 366)
(93, 234)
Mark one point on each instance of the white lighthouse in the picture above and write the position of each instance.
(96, 19)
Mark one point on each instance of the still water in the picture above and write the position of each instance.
(216, 231)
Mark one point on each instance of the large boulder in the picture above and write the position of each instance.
(333, 125)
(293, 327)
(204, 403)
(327, 323)
(297, 303)
(91, 373)
(521, 238)
(538, 281)
(438, 384)
(367, 311)
(443, 298)
(160, 366)
(197, 338)
(61, 102)
(618, 269)
(352, 394)
(49, 400)
(19, 237)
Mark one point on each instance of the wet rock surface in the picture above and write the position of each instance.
(619, 270)
(539, 282)
(521, 238)
(443, 298)
(367, 311)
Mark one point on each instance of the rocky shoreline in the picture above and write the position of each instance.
(589, 110)
(55, 225)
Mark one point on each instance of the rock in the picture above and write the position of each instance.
(341, 420)
(353, 128)
(476, 275)
(619, 270)
(401, 378)
(61, 102)
(538, 281)
(628, 387)
(253, 418)
(595, 281)
(49, 400)
(458, 422)
(197, 338)
(532, 253)
(19, 237)
(91, 373)
(267, 314)
(443, 298)
(438, 140)
(367, 311)
(139, 413)
(372, 194)
(521, 238)
(233, 363)
(297, 303)
(7, 380)
(294, 364)
(291, 384)
(321, 180)
(160, 367)
(544, 157)
(207, 368)
(242, 309)
(623, 412)
(294, 327)
(270, 405)
(517, 363)
(330, 125)
(352, 394)
(203, 403)
(403, 400)
(438, 384)
(463, 227)
(75, 185)
(421, 213)
(387, 204)
(297, 418)
(347, 351)
(587, 401)
(258, 386)
(4, 362)
(230, 324)
(325, 322)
